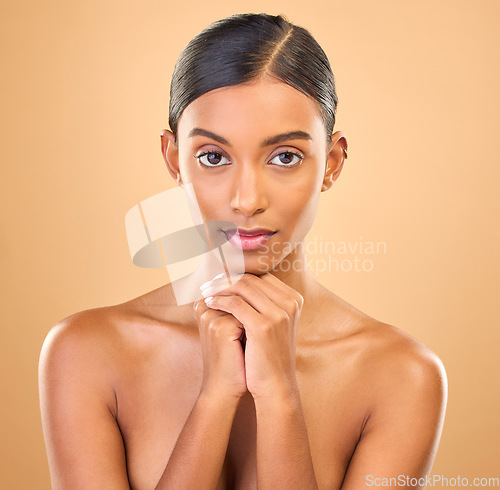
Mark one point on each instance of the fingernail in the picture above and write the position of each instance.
(205, 284)
(208, 300)
(206, 292)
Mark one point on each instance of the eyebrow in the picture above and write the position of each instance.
(273, 140)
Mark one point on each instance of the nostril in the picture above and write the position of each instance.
(249, 201)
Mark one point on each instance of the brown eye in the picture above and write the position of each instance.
(287, 159)
(212, 159)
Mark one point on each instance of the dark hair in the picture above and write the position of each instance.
(244, 47)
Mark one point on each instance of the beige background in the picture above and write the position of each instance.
(84, 91)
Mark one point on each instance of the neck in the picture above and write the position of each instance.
(293, 271)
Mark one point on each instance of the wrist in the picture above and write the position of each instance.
(219, 399)
(278, 399)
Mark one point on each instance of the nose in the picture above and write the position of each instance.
(249, 194)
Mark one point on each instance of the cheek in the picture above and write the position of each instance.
(207, 197)
(299, 210)
(211, 199)
(297, 206)
(300, 207)
(303, 194)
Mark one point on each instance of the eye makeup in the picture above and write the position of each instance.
(217, 155)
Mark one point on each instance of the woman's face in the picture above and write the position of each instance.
(256, 156)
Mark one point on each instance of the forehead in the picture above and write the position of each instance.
(253, 110)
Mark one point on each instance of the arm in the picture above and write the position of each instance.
(84, 444)
(283, 453)
(401, 437)
(199, 453)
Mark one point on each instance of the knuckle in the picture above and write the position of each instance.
(205, 318)
(234, 301)
(291, 304)
(300, 300)
(280, 318)
(294, 304)
(244, 282)
(214, 324)
(283, 316)
(197, 308)
(219, 326)
(266, 327)
(228, 321)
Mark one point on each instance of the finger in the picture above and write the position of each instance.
(281, 286)
(225, 322)
(220, 320)
(251, 293)
(266, 295)
(222, 280)
(200, 309)
(238, 307)
(219, 283)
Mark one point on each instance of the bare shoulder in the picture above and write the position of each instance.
(82, 349)
(88, 332)
(105, 339)
(82, 325)
(392, 353)
(387, 362)
(386, 349)
(80, 362)
(403, 388)
(99, 327)
(378, 346)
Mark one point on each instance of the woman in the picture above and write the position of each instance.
(272, 381)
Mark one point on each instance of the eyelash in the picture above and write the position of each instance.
(290, 152)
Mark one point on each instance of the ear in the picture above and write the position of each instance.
(170, 153)
(335, 159)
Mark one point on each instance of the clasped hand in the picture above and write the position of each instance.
(267, 312)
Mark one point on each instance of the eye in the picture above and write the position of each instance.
(287, 159)
(212, 159)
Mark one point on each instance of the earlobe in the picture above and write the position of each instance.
(170, 154)
(335, 160)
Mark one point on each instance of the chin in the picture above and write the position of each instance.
(259, 265)
(256, 271)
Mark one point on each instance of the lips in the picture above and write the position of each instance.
(248, 239)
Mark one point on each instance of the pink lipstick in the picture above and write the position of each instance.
(248, 239)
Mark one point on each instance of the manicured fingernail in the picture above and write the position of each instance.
(209, 285)
(206, 292)
(205, 284)
(209, 300)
